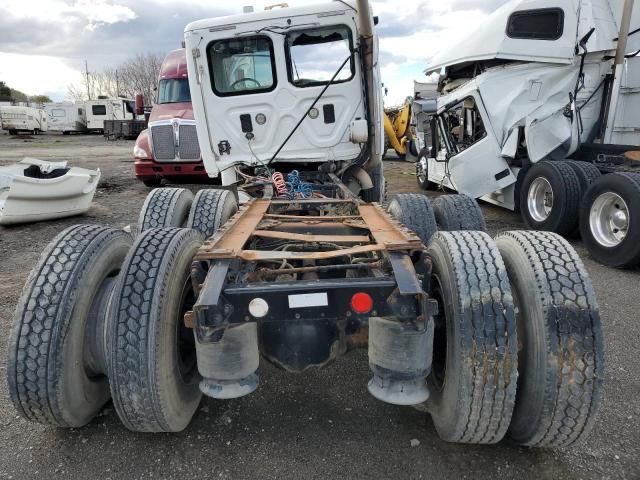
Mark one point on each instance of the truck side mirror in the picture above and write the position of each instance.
(139, 104)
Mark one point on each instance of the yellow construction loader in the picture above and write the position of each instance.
(399, 133)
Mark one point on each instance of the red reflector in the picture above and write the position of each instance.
(361, 302)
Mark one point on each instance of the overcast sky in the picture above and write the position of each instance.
(44, 43)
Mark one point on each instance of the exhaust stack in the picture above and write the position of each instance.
(367, 49)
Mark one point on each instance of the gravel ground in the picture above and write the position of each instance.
(322, 424)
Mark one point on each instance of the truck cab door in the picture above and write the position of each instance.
(475, 163)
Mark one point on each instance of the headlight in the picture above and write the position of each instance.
(140, 152)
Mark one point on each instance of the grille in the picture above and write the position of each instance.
(162, 143)
(189, 148)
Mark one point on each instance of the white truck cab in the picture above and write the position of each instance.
(531, 84)
(254, 77)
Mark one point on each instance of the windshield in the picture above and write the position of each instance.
(242, 65)
(316, 55)
(173, 90)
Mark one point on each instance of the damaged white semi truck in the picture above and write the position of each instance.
(534, 107)
(479, 332)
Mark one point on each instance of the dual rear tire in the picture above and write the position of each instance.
(550, 198)
(610, 220)
(100, 318)
(177, 207)
(96, 322)
(518, 348)
(447, 213)
(551, 195)
(570, 197)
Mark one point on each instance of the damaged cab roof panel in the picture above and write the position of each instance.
(545, 31)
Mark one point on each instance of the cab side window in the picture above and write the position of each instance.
(463, 124)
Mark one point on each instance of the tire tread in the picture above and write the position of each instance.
(416, 213)
(488, 335)
(42, 318)
(573, 329)
(131, 370)
(459, 212)
(159, 208)
(205, 215)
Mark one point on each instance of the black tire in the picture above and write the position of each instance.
(211, 209)
(415, 212)
(12, 132)
(586, 172)
(165, 207)
(561, 361)
(474, 372)
(47, 370)
(379, 191)
(151, 355)
(563, 215)
(422, 171)
(154, 183)
(623, 252)
(458, 212)
(66, 132)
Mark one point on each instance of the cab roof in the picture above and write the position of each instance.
(337, 6)
(490, 40)
(174, 64)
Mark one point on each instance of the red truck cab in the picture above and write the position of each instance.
(169, 148)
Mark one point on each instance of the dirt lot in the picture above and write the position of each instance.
(319, 425)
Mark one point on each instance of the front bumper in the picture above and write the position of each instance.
(146, 169)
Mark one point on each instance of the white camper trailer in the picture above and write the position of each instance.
(66, 117)
(23, 119)
(97, 111)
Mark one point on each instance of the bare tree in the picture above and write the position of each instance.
(138, 74)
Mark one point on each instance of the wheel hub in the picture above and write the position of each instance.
(609, 219)
(540, 199)
(94, 354)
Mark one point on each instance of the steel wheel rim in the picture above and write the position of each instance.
(609, 219)
(540, 199)
(421, 169)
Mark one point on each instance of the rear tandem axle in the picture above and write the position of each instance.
(355, 263)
